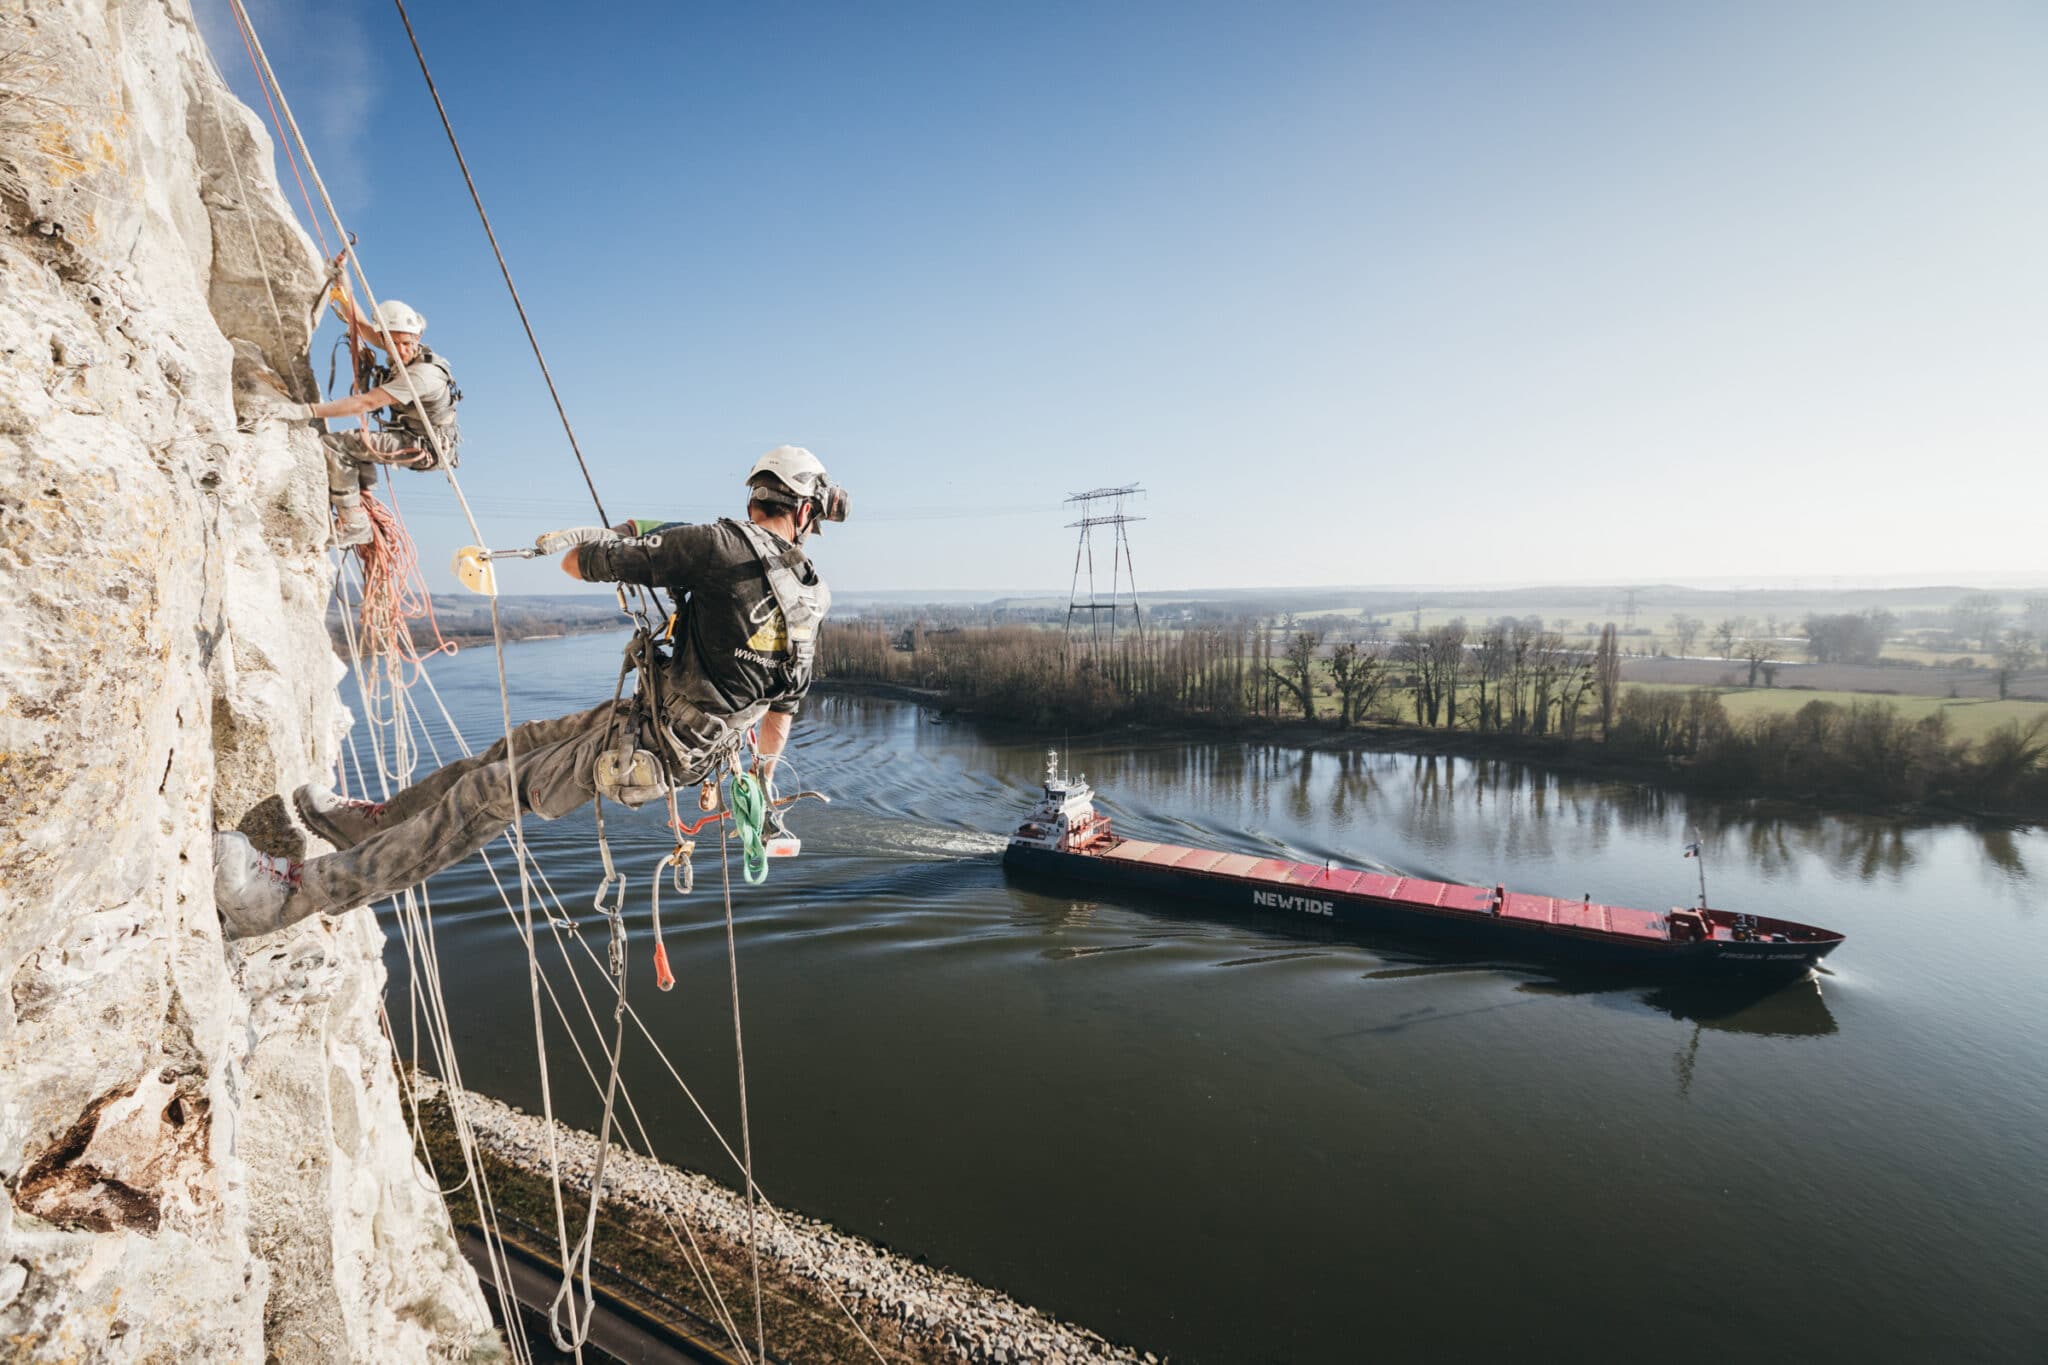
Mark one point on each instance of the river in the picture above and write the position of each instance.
(1231, 1139)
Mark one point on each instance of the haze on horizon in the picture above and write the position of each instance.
(1385, 294)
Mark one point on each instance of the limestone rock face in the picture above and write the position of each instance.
(202, 1149)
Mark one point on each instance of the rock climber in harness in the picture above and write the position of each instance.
(742, 645)
(411, 380)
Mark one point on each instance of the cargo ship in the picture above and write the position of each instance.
(1067, 838)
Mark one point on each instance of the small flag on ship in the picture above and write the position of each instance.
(1692, 850)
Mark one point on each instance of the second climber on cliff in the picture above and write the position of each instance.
(412, 394)
(749, 603)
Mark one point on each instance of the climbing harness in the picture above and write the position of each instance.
(446, 441)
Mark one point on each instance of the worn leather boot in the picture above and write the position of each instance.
(252, 891)
(338, 820)
(351, 523)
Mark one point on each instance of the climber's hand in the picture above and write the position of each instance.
(554, 542)
(259, 404)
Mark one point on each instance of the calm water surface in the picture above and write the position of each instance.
(1250, 1140)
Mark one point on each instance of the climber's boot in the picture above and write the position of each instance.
(351, 523)
(254, 892)
(338, 820)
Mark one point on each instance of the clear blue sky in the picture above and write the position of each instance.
(1446, 293)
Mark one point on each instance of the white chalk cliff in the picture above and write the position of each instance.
(203, 1149)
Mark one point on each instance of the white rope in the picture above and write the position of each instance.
(647, 1034)
(579, 1331)
(441, 1040)
(739, 1053)
(526, 863)
(706, 1282)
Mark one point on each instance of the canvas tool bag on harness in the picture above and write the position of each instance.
(677, 731)
(403, 419)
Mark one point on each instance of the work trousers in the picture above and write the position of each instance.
(453, 812)
(353, 457)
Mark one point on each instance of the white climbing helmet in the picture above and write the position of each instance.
(795, 468)
(803, 474)
(394, 316)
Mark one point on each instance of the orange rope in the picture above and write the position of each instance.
(394, 595)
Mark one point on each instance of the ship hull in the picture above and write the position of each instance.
(1534, 927)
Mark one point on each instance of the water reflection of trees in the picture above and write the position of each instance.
(2003, 850)
(1519, 812)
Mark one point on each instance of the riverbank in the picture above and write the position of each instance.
(1547, 751)
(909, 1311)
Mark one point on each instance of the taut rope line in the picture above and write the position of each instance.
(617, 951)
(503, 269)
(498, 641)
(523, 856)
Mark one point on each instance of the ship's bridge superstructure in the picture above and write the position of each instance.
(1065, 819)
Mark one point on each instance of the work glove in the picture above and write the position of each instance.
(554, 542)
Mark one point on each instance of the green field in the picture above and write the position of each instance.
(1968, 718)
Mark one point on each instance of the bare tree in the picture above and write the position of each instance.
(1977, 616)
(1437, 656)
(1730, 630)
(1685, 632)
(1547, 668)
(1576, 673)
(2034, 618)
(2015, 656)
(1359, 672)
(1447, 644)
(1489, 667)
(1754, 652)
(1607, 676)
(1299, 674)
(1525, 644)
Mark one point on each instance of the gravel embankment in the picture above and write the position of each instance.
(949, 1312)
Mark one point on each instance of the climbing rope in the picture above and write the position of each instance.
(527, 868)
(440, 1032)
(445, 464)
(739, 1052)
(425, 964)
(503, 269)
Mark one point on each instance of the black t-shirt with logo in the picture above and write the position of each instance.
(726, 614)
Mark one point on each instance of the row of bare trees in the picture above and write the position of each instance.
(1510, 677)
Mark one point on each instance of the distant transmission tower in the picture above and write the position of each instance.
(1103, 507)
(1628, 610)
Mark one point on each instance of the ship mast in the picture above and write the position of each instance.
(1699, 854)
